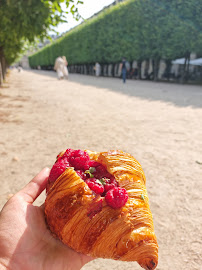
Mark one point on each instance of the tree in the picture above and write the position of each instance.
(137, 29)
(22, 20)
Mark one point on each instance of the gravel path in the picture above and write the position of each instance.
(159, 123)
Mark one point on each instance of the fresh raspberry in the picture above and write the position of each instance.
(57, 169)
(101, 170)
(81, 174)
(78, 159)
(110, 184)
(91, 163)
(94, 185)
(116, 197)
(67, 154)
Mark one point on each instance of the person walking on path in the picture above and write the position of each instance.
(59, 67)
(65, 70)
(123, 69)
(97, 69)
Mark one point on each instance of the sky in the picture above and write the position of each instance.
(86, 10)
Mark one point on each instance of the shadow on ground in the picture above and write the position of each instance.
(179, 95)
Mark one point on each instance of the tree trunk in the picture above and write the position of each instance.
(147, 70)
(101, 69)
(155, 63)
(184, 71)
(168, 69)
(107, 68)
(185, 68)
(187, 71)
(113, 70)
(139, 65)
(1, 75)
(88, 69)
(2, 66)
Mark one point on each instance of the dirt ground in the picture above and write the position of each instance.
(160, 124)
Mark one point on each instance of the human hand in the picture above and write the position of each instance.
(25, 241)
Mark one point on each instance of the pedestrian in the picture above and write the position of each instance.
(19, 68)
(123, 69)
(97, 69)
(59, 67)
(65, 70)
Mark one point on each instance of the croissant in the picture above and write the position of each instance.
(97, 204)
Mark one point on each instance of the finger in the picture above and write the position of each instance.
(86, 259)
(42, 206)
(34, 188)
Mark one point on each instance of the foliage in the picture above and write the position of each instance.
(22, 21)
(136, 29)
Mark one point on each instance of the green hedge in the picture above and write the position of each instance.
(136, 29)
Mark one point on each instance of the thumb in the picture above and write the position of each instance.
(35, 187)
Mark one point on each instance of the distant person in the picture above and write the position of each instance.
(124, 69)
(19, 68)
(59, 67)
(97, 69)
(65, 70)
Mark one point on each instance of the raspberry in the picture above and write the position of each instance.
(110, 184)
(91, 163)
(100, 171)
(95, 186)
(81, 174)
(116, 197)
(67, 153)
(57, 169)
(78, 159)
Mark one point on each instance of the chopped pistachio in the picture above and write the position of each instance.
(98, 181)
(88, 172)
(91, 169)
(102, 180)
(142, 197)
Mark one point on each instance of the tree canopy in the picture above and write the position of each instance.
(136, 29)
(22, 20)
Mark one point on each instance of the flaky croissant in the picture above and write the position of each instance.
(102, 216)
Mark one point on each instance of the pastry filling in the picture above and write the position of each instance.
(96, 176)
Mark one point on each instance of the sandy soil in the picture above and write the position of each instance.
(160, 124)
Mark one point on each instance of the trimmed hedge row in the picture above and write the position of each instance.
(136, 29)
